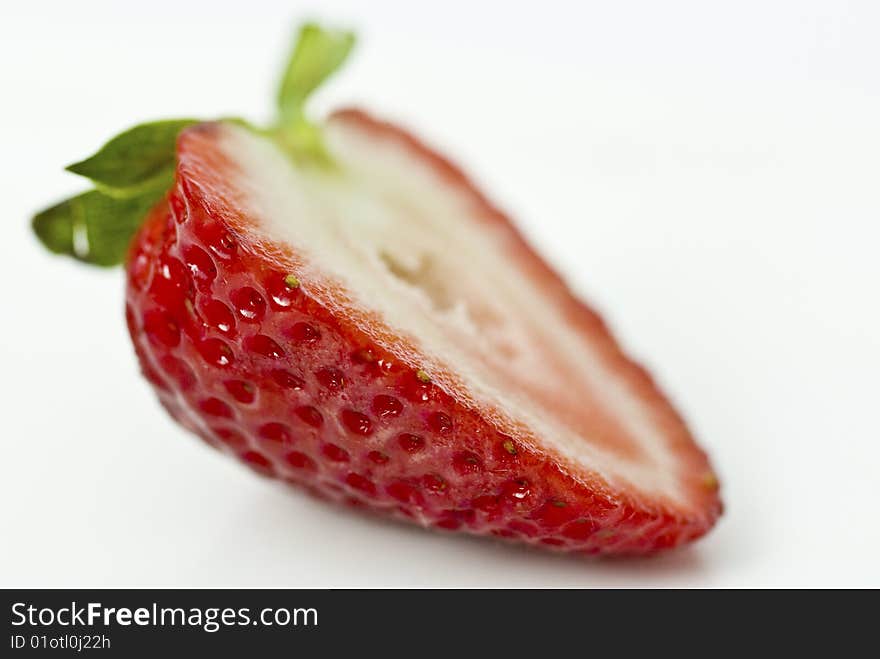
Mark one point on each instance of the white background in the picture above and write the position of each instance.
(708, 174)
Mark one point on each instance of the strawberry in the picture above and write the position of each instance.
(337, 306)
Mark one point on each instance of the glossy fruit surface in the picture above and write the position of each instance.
(283, 360)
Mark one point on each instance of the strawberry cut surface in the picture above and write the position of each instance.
(382, 336)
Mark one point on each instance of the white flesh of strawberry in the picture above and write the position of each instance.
(406, 246)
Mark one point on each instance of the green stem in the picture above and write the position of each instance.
(317, 55)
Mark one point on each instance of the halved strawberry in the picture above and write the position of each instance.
(339, 307)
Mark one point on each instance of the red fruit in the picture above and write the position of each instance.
(338, 306)
(503, 407)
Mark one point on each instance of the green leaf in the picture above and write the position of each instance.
(317, 55)
(136, 160)
(133, 170)
(93, 227)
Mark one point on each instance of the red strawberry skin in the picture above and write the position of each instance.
(249, 360)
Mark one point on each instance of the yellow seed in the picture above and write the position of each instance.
(509, 447)
(291, 281)
(366, 355)
(423, 376)
(710, 482)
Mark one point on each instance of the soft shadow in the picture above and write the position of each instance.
(357, 548)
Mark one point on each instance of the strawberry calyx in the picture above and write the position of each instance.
(317, 54)
(134, 170)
